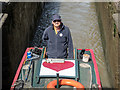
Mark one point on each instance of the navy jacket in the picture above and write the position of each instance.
(58, 45)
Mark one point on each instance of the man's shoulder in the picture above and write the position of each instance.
(49, 27)
(66, 28)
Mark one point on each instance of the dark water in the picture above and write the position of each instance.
(81, 18)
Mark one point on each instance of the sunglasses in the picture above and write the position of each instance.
(57, 21)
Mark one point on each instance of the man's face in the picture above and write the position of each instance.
(56, 23)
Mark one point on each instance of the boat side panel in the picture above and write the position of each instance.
(96, 68)
(19, 68)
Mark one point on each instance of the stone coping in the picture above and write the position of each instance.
(3, 17)
(5, 1)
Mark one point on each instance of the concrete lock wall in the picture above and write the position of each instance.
(17, 32)
(110, 38)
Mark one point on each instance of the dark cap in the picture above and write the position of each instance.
(56, 17)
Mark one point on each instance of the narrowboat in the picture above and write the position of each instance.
(37, 71)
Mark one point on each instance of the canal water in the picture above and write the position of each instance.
(82, 20)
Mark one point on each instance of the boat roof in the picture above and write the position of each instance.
(84, 72)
